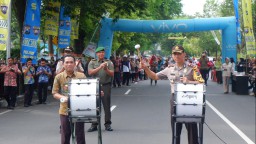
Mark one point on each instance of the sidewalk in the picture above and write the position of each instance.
(20, 100)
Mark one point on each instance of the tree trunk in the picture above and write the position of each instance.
(79, 43)
(19, 7)
(50, 46)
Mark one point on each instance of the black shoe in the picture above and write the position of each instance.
(225, 92)
(39, 103)
(30, 105)
(44, 103)
(108, 128)
(92, 129)
(26, 105)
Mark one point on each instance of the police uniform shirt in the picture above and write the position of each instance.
(104, 77)
(173, 73)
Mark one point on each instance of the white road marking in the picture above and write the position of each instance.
(127, 92)
(5, 112)
(113, 107)
(236, 129)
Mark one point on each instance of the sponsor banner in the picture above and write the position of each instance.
(64, 30)
(4, 12)
(248, 28)
(235, 2)
(90, 50)
(31, 31)
(52, 11)
(75, 25)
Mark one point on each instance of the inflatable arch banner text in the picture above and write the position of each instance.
(226, 24)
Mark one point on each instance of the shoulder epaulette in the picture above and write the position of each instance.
(94, 59)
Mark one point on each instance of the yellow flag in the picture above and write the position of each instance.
(52, 11)
(248, 28)
(4, 12)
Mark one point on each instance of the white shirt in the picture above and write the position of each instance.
(226, 69)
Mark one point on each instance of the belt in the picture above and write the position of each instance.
(108, 83)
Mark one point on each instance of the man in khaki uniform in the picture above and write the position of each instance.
(103, 69)
(178, 72)
(60, 92)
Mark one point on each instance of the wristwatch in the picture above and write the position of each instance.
(62, 100)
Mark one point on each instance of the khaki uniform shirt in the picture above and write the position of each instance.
(60, 85)
(173, 73)
(104, 77)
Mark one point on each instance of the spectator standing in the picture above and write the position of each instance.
(226, 73)
(10, 82)
(126, 68)
(117, 74)
(218, 65)
(153, 67)
(29, 81)
(44, 73)
(204, 69)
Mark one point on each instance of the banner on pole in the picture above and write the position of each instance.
(90, 50)
(4, 12)
(248, 28)
(64, 30)
(52, 11)
(31, 31)
(236, 8)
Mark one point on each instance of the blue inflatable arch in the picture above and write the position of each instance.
(226, 24)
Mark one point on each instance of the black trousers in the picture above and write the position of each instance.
(10, 95)
(204, 73)
(66, 131)
(191, 128)
(42, 92)
(29, 91)
(219, 77)
(117, 79)
(126, 78)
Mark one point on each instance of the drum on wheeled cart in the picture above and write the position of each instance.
(189, 106)
(84, 104)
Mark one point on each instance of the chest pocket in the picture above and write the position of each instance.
(96, 65)
(172, 76)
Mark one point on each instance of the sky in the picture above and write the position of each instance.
(190, 7)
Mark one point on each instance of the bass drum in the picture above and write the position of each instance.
(84, 95)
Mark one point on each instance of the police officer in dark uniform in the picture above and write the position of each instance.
(103, 69)
(178, 72)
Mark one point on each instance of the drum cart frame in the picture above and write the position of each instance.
(86, 119)
(198, 119)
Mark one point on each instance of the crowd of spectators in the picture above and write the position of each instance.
(126, 72)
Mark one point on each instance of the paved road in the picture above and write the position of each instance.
(140, 116)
